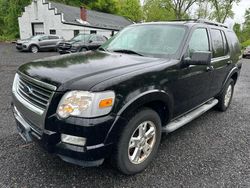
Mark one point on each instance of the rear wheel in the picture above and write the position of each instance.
(83, 50)
(226, 96)
(139, 142)
(34, 49)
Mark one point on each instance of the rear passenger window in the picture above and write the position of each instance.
(217, 41)
(199, 41)
(53, 37)
(225, 44)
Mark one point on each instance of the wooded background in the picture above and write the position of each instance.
(149, 10)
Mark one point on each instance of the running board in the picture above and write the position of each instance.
(177, 123)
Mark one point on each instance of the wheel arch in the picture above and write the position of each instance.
(33, 45)
(234, 74)
(158, 100)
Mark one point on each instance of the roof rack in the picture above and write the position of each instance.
(201, 21)
(211, 23)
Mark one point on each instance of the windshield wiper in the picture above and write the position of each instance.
(126, 51)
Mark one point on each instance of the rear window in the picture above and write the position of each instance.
(233, 41)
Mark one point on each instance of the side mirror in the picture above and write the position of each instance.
(39, 39)
(90, 41)
(199, 58)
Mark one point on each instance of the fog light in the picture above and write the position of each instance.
(74, 140)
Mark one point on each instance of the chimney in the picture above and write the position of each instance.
(83, 13)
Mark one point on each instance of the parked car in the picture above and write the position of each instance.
(115, 103)
(246, 52)
(39, 43)
(81, 42)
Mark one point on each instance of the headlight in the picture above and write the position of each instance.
(85, 104)
(15, 82)
(76, 45)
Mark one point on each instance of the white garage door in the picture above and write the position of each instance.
(38, 28)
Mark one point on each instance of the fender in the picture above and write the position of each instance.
(146, 97)
(135, 103)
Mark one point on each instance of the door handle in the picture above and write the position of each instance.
(210, 68)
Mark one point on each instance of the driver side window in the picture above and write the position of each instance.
(198, 41)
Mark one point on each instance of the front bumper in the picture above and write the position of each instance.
(22, 47)
(89, 155)
(67, 50)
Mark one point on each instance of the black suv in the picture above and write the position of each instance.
(81, 42)
(115, 103)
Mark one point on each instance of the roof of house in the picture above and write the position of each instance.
(94, 18)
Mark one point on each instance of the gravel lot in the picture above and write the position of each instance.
(212, 151)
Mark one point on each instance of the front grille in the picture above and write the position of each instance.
(65, 45)
(35, 94)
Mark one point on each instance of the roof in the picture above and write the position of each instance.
(94, 18)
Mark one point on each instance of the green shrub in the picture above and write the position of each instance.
(245, 44)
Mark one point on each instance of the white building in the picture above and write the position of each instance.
(43, 17)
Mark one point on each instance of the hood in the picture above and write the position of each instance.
(23, 40)
(74, 42)
(91, 67)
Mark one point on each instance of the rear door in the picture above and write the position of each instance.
(221, 60)
(53, 40)
(194, 80)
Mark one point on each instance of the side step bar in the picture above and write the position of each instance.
(177, 123)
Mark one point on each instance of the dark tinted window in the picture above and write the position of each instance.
(93, 32)
(225, 43)
(93, 38)
(217, 41)
(44, 38)
(199, 41)
(233, 41)
(52, 31)
(101, 39)
(53, 37)
(76, 32)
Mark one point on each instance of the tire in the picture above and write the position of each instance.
(83, 49)
(124, 157)
(226, 96)
(34, 49)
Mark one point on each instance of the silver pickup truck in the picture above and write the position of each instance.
(39, 43)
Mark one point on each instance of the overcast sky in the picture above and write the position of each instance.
(239, 11)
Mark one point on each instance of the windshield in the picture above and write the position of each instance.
(148, 40)
(83, 37)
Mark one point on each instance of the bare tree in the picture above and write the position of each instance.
(204, 9)
(181, 7)
(223, 9)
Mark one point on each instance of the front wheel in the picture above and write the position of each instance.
(226, 96)
(34, 49)
(139, 142)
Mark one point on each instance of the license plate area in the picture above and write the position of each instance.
(24, 131)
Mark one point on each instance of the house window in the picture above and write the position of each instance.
(52, 31)
(76, 32)
(93, 32)
(36, 10)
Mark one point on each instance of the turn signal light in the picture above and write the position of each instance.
(106, 103)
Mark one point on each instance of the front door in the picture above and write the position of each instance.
(194, 81)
